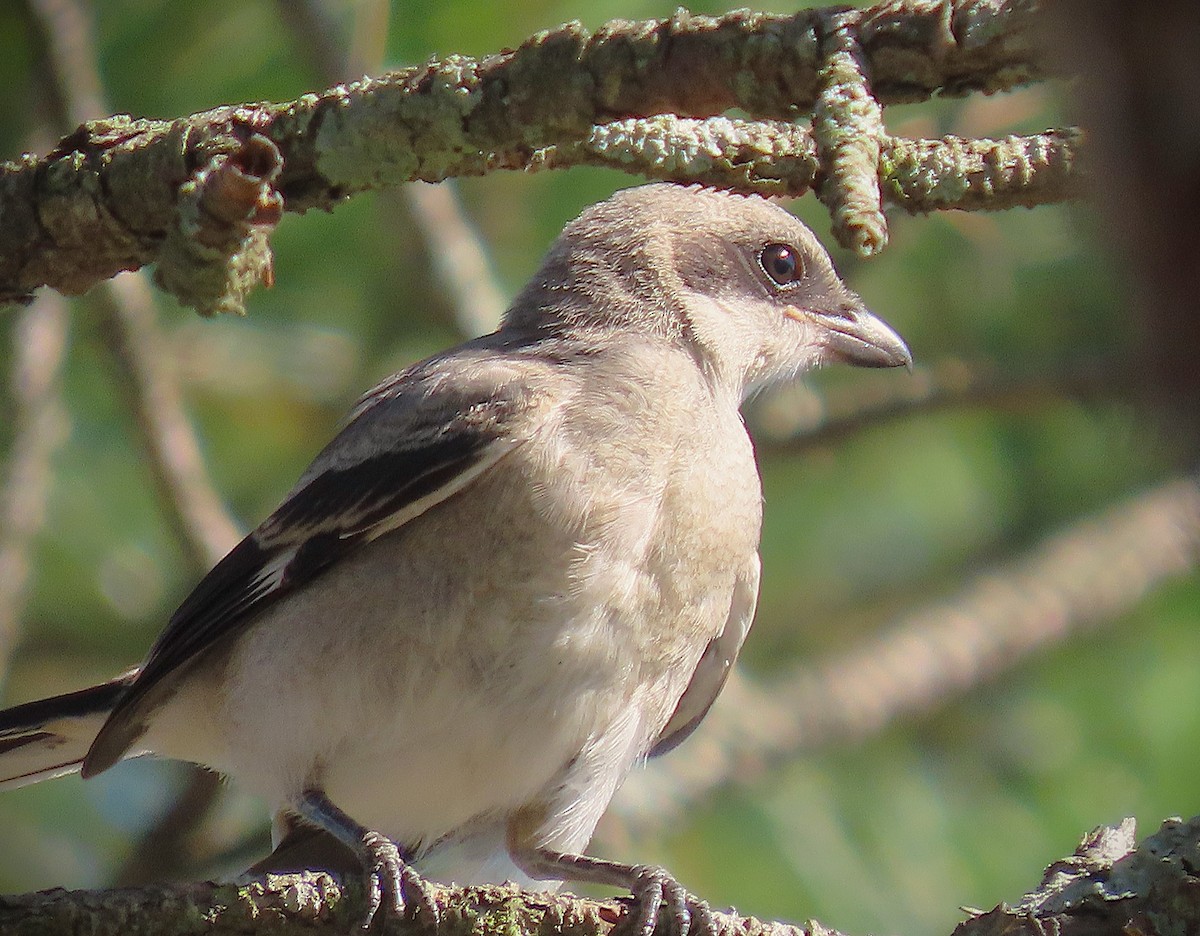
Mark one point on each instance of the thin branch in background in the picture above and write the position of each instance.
(461, 264)
(459, 260)
(794, 418)
(40, 425)
(129, 322)
(67, 29)
(192, 507)
(318, 34)
(170, 845)
(1076, 581)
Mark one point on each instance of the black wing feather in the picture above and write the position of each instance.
(336, 510)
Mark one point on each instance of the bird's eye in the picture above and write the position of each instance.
(781, 264)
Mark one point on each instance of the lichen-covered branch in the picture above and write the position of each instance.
(1110, 886)
(317, 904)
(111, 194)
(848, 130)
(778, 158)
(1015, 171)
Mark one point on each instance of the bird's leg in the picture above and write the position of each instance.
(650, 885)
(389, 875)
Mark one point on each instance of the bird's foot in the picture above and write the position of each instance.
(393, 884)
(650, 887)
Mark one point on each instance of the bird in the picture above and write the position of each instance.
(523, 565)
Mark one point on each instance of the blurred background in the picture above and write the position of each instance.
(977, 632)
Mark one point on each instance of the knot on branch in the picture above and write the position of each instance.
(848, 130)
(218, 247)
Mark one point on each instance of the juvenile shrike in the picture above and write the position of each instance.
(524, 564)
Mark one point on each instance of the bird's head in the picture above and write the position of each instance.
(741, 282)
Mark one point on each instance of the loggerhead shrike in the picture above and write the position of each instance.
(524, 564)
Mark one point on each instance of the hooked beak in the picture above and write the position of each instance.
(852, 335)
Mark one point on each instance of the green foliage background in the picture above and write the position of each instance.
(893, 834)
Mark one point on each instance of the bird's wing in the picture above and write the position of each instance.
(715, 664)
(411, 443)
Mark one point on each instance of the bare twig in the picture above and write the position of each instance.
(68, 30)
(39, 424)
(460, 263)
(129, 325)
(1077, 580)
(794, 418)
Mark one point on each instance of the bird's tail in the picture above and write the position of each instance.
(49, 738)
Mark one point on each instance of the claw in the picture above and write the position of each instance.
(649, 886)
(390, 877)
(419, 895)
(648, 889)
(652, 886)
(384, 875)
(703, 921)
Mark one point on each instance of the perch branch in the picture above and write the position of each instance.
(316, 903)
(1110, 886)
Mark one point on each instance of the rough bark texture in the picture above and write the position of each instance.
(1110, 886)
(123, 192)
(315, 903)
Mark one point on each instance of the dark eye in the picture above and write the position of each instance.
(781, 263)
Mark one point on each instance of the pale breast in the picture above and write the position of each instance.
(455, 665)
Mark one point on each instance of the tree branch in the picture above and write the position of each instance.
(1110, 886)
(776, 158)
(113, 193)
(793, 418)
(316, 903)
